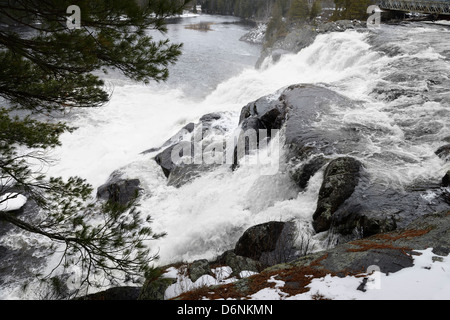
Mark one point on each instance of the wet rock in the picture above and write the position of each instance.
(260, 107)
(155, 287)
(198, 269)
(183, 174)
(238, 263)
(373, 209)
(351, 205)
(248, 139)
(444, 152)
(165, 159)
(446, 180)
(119, 190)
(269, 243)
(298, 109)
(302, 174)
(210, 117)
(252, 123)
(182, 145)
(306, 105)
(340, 179)
(180, 135)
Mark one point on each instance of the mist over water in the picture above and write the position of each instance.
(399, 74)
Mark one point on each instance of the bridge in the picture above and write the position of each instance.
(436, 7)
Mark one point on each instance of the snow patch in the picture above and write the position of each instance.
(12, 201)
(428, 279)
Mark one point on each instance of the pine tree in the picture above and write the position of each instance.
(51, 70)
(316, 9)
(298, 11)
(276, 26)
(355, 9)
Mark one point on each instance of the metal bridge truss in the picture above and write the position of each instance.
(428, 7)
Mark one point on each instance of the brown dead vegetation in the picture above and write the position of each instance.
(297, 278)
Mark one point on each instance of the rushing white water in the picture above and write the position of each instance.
(207, 216)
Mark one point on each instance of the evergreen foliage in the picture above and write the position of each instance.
(316, 9)
(299, 11)
(354, 9)
(48, 69)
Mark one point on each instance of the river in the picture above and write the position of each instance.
(399, 73)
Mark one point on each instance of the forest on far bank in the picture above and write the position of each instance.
(265, 9)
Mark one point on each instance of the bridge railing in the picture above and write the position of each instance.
(430, 7)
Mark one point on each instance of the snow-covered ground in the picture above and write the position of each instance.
(428, 279)
(221, 275)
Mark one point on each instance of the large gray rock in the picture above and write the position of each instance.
(306, 170)
(446, 179)
(298, 109)
(351, 206)
(269, 243)
(340, 179)
(165, 158)
(182, 145)
(306, 105)
(182, 174)
(373, 209)
(238, 263)
(444, 152)
(119, 190)
(198, 269)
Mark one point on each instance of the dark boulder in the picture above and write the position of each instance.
(238, 263)
(340, 179)
(199, 268)
(183, 144)
(269, 111)
(303, 174)
(446, 179)
(183, 174)
(165, 159)
(269, 243)
(119, 190)
(391, 251)
(210, 117)
(444, 152)
(446, 183)
(372, 209)
(248, 138)
(299, 108)
(306, 105)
